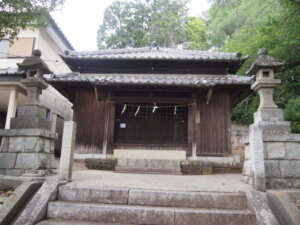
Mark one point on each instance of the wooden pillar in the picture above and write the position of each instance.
(106, 126)
(108, 136)
(12, 107)
(192, 144)
(111, 129)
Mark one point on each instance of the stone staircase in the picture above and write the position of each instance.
(154, 166)
(117, 205)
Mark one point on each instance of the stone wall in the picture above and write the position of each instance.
(27, 151)
(281, 159)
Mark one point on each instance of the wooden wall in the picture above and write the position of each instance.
(95, 123)
(92, 123)
(213, 131)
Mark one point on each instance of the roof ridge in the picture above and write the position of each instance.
(111, 51)
(148, 49)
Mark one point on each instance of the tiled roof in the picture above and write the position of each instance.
(154, 54)
(264, 61)
(11, 71)
(190, 80)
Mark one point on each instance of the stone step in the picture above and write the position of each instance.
(74, 222)
(151, 197)
(148, 166)
(110, 213)
(187, 199)
(144, 215)
(150, 154)
(116, 195)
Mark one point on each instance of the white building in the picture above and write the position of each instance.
(51, 41)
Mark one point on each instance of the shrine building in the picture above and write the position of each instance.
(153, 101)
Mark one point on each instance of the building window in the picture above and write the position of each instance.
(4, 48)
(20, 47)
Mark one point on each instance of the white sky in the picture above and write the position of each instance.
(80, 19)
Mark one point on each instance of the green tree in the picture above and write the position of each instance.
(246, 26)
(17, 14)
(124, 24)
(292, 113)
(139, 23)
(196, 34)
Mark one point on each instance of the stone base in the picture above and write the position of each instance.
(269, 115)
(30, 122)
(274, 128)
(148, 166)
(31, 116)
(194, 167)
(281, 161)
(27, 151)
(150, 154)
(100, 164)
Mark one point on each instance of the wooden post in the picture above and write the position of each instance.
(192, 144)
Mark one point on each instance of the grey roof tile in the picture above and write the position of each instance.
(189, 80)
(11, 71)
(160, 53)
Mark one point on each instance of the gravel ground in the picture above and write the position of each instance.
(217, 182)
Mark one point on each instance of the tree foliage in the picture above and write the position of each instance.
(17, 14)
(292, 113)
(140, 23)
(248, 25)
(196, 34)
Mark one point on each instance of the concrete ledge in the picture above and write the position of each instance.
(100, 164)
(72, 222)
(27, 132)
(187, 199)
(149, 154)
(283, 206)
(78, 156)
(124, 214)
(148, 166)
(282, 137)
(213, 217)
(258, 202)
(36, 210)
(196, 167)
(117, 195)
(11, 182)
(17, 200)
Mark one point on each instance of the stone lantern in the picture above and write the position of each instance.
(28, 147)
(268, 112)
(272, 156)
(32, 114)
(35, 69)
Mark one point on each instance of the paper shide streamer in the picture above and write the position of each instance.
(124, 108)
(137, 110)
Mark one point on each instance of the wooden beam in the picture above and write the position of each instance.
(96, 93)
(209, 95)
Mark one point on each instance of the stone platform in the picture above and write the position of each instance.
(28, 151)
(148, 166)
(150, 154)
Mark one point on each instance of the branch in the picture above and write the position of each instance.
(293, 64)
